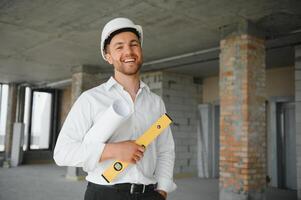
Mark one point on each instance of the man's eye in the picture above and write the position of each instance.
(119, 47)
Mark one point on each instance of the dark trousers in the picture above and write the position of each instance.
(120, 192)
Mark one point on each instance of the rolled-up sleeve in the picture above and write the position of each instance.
(166, 159)
(70, 149)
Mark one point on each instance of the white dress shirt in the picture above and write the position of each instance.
(157, 164)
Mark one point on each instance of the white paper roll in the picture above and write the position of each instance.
(108, 122)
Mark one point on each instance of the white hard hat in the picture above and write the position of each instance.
(114, 25)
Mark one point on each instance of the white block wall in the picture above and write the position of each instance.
(154, 81)
(181, 97)
(298, 115)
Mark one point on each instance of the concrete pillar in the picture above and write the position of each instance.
(0, 97)
(83, 78)
(18, 130)
(20, 103)
(10, 120)
(298, 115)
(17, 144)
(242, 113)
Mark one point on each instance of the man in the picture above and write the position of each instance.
(149, 175)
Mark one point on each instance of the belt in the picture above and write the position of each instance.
(126, 187)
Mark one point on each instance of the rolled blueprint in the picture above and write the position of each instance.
(108, 122)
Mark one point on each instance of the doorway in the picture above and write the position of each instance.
(286, 145)
(208, 140)
(40, 119)
(3, 114)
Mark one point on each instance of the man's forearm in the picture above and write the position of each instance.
(108, 152)
(127, 151)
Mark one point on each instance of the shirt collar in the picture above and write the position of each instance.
(112, 82)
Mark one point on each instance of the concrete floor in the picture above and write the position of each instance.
(47, 182)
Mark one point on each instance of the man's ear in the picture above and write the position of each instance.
(109, 58)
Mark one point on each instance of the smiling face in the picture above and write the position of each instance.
(124, 53)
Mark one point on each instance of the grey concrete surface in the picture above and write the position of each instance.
(42, 40)
(47, 182)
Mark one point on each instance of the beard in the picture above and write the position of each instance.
(129, 70)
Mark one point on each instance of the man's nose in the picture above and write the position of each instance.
(128, 50)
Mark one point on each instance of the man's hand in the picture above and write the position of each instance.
(127, 151)
(163, 193)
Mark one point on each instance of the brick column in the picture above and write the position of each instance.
(83, 78)
(242, 113)
(298, 115)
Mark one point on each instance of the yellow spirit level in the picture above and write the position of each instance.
(144, 140)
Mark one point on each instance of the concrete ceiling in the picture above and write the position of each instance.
(41, 40)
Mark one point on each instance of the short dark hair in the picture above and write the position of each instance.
(108, 40)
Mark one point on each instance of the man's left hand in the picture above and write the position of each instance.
(163, 193)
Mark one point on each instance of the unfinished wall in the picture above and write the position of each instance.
(181, 97)
(154, 82)
(210, 89)
(298, 115)
(279, 82)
